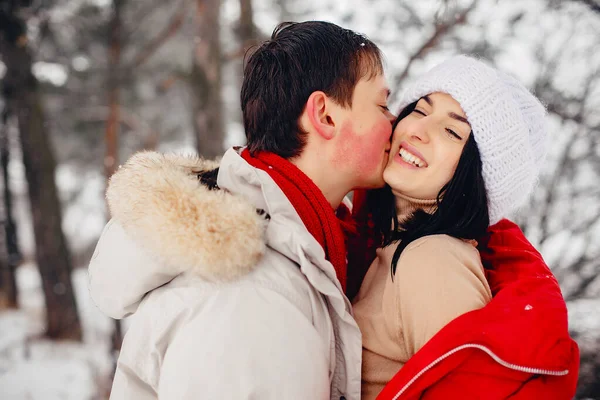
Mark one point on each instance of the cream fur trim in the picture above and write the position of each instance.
(159, 201)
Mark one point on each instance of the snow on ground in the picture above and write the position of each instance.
(32, 368)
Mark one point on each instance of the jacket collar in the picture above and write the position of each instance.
(285, 231)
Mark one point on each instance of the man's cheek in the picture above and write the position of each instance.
(364, 151)
(351, 151)
(381, 134)
(374, 144)
(369, 155)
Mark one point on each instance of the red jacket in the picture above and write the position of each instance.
(516, 347)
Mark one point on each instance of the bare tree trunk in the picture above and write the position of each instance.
(52, 255)
(284, 12)
(10, 256)
(246, 30)
(206, 80)
(111, 138)
(8, 287)
(112, 123)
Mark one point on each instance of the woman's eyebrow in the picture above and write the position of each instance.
(459, 118)
(451, 114)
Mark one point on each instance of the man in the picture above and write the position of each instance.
(235, 276)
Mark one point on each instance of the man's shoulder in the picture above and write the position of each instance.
(197, 317)
(274, 276)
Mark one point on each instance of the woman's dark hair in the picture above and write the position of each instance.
(462, 206)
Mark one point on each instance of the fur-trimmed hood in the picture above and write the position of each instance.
(164, 223)
(159, 200)
(167, 224)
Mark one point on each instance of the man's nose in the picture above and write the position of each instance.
(391, 117)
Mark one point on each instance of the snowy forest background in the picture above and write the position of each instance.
(85, 83)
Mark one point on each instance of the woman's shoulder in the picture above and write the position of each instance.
(441, 260)
(442, 243)
(440, 254)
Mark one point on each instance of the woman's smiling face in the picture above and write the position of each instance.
(426, 147)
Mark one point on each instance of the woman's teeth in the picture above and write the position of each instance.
(411, 158)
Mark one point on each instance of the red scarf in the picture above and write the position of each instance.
(310, 203)
(361, 246)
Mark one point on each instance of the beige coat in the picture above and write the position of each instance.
(217, 314)
(437, 278)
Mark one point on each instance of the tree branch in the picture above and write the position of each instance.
(591, 4)
(441, 29)
(126, 117)
(140, 19)
(152, 46)
(586, 281)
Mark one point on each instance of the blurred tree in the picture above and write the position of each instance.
(113, 85)
(284, 12)
(111, 158)
(594, 5)
(442, 28)
(206, 80)
(8, 286)
(23, 98)
(247, 32)
(10, 255)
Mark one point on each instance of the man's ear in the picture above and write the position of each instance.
(318, 110)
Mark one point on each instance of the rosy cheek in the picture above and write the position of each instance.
(365, 151)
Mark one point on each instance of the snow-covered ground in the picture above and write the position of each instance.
(33, 368)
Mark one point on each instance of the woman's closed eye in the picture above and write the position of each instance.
(416, 110)
(453, 134)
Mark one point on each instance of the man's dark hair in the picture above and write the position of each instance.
(299, 59)
(462, 205)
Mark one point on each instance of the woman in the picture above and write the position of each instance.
(466, 150)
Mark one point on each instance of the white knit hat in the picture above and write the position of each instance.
(509, 126)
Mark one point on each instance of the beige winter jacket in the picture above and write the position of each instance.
(437, 278)
(217, 314)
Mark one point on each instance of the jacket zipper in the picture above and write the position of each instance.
(491, 354)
